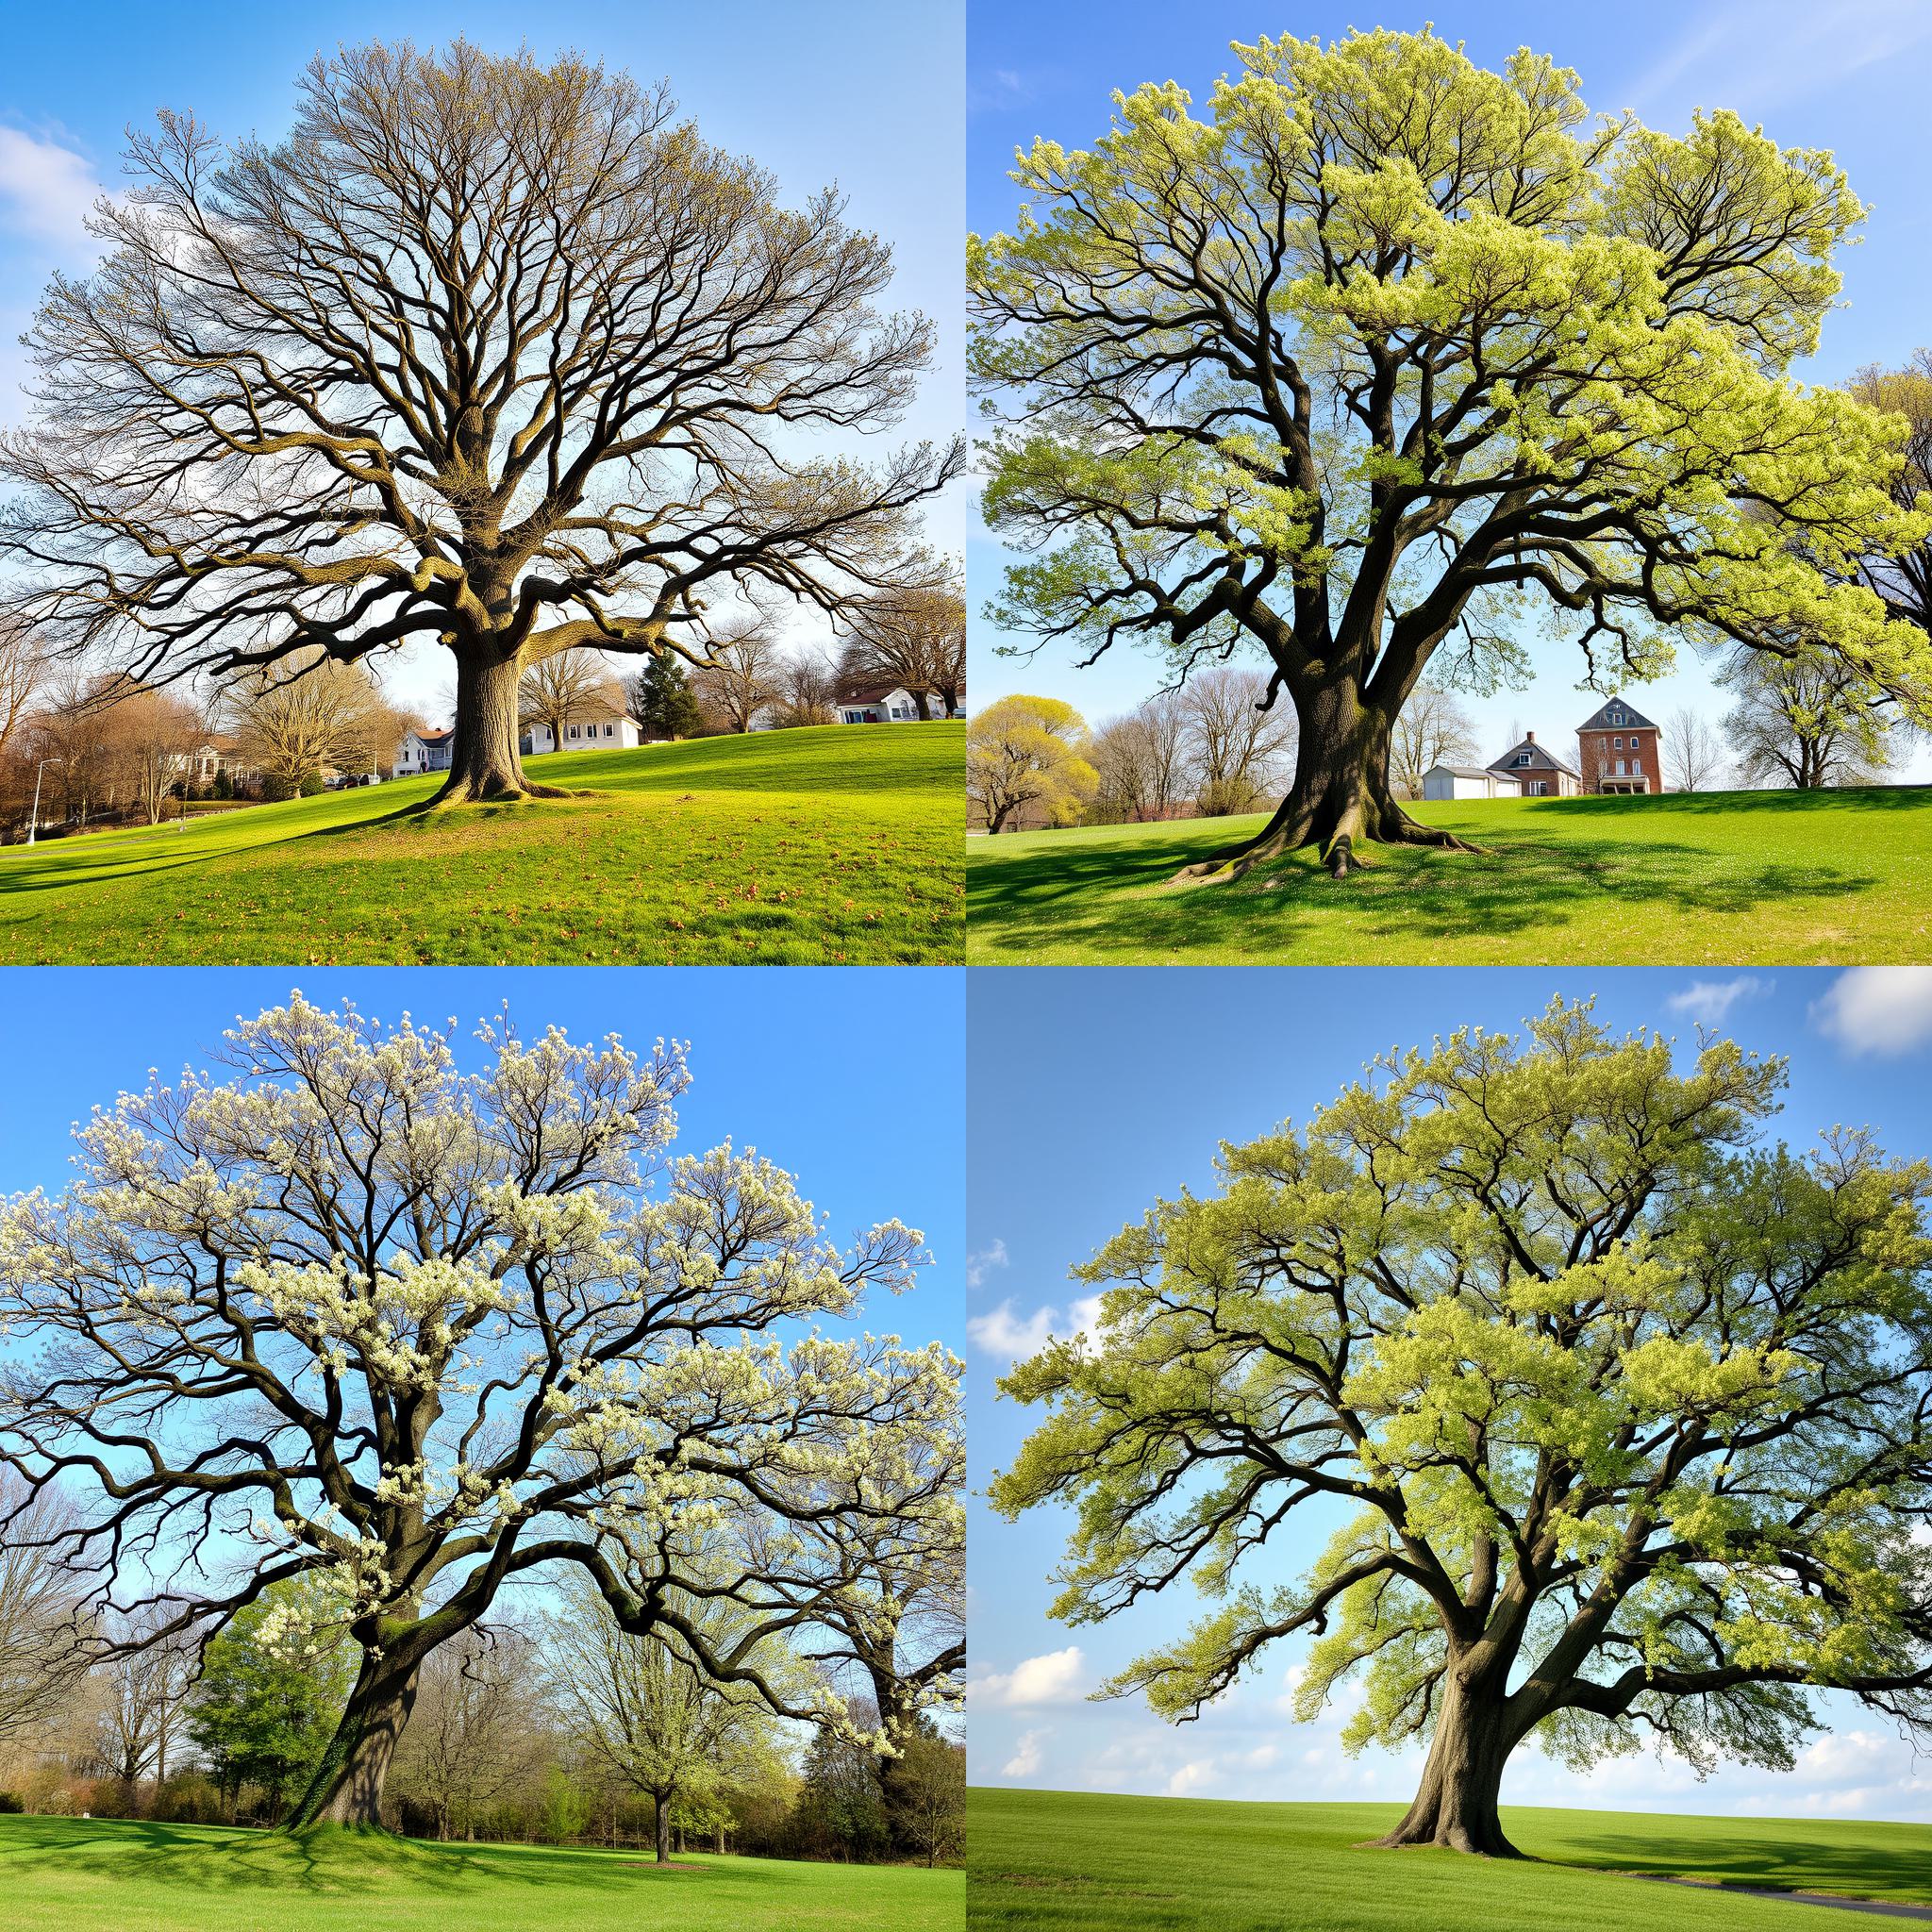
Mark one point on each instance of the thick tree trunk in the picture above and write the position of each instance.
(1457, 1804)
(347, 1785)
(661, 1805)
(484, 762)
(1340, 798)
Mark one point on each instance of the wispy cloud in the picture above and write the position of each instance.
(1025, 1758)
(1877, 1009)
(1010, 1335)
(1056, 1677)
(1758, 54)
(1709, 1001)
(983, 1260)
(46, 190)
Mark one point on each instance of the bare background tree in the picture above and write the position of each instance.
(476, 1727)
(914, 636)
(298, 716)
(42, 1620)
(487, 354)
(1238, 751)
(1433, 727)
(1694, 753)
(746, 675)
(565, 685)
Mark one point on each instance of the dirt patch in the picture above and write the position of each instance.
(674, 1865)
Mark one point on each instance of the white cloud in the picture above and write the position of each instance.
(984, 1259)
(1878, 1010)
(1708, 1001)
(46, 191)
(1001, 1332)
(1025, 1758)
(1053, 1678)
(1190, 1777)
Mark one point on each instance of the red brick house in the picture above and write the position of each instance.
(1617, 750)
(1538, 772)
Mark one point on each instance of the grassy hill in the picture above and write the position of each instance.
(1077, 1862)
(818, 846)
(70, 1875)
(1729, 878)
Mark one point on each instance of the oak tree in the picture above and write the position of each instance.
(1387, 355)
(371, 1336)
(1628, 1411)
(484, 353)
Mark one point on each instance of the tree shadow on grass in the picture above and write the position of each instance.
(1116, 894)
(326, 1860)
(1900, 1873)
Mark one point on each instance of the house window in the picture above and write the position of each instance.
(609, 730)
(1619, 744)
(1636, 768)
(1522, 757)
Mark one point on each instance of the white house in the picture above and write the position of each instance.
(862, 701)
(425, 751)
(603, 732)
(1468, 781)
(1535, 773)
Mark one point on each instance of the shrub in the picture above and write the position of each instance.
(11, 1803)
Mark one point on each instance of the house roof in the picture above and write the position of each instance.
(1627, 715)
(1466, 771)
(434, 737)
(865, 690)
(1539, 760)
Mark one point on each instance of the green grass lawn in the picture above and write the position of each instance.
(1731, 878)
(819, 847)
(69, 1874)
(1077, 1862)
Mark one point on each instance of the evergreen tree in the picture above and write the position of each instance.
(661, 700)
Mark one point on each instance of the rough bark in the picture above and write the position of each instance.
(1457, 1803)
(660, 1812)
(485, 761)
(347, 1785)
(1340, 799)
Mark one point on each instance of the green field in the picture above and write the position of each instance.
(68, 1875)
(821, 846)
(1077, 1862)
(1731, 878)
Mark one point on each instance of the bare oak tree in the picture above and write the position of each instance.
(487, 354)
(306, 711)
(400, 1332)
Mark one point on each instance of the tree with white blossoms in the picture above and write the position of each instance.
(394, 1333)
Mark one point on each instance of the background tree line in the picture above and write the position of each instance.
(552, 1726)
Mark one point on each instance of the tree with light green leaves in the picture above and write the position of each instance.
(1628, 1408)
(1388, 362)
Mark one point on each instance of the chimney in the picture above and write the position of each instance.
(1529, 738)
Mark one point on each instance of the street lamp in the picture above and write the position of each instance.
(33, 825)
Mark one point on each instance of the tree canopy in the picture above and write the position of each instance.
(1388, 361)
(369, 1336)
(484, 353)
(1625, 1412)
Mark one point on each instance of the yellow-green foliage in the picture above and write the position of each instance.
(1632, 1402)
(1381, 321)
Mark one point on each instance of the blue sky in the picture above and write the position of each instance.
(1091, 1092)
(811, 1066)
(1851, 76)
(863, 92)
